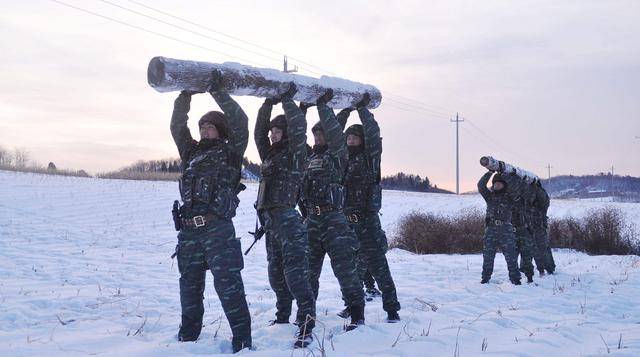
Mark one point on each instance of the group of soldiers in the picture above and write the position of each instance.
(516, 222)
(312, 202)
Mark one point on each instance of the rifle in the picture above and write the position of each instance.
(257, 233)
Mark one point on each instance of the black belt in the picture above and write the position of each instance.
(318, 210)
(197, 221)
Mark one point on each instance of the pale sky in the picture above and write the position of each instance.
(539, 82)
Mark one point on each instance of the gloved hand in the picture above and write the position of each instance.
(272, 100)
(293, 89)
(326, 97)
(304, 106)
(215, 83)
(366, 98)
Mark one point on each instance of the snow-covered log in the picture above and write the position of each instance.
(500, 166)
(168, 74)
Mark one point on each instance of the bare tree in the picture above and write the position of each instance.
(5, 157)
(20, 157)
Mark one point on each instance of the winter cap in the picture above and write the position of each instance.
(218, 119)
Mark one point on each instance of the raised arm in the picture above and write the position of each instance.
(238, 121)
(179, 129)
(482, 185)
(261, 131)
(343, 116)
(296, 130)
(332, 131)
(372, 139)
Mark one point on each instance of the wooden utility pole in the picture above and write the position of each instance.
(457, 121)
(549, 167)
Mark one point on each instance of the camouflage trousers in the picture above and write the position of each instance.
(372, 259)
(500, 236)
(214, 247)
(543, 256)
(329, 233)
(365, 275)
(288, 263)
(525, 245)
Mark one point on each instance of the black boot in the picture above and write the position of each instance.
(345, 313)
(189, 329)
(529, 279)
(484, 280)
(516, 282)
(372, 293)
(238, 344)
(357, 317)
(393, 317)
(304, 337)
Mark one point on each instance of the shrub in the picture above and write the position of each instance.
(600, 232)
(428, 233)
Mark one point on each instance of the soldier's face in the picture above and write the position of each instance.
(209, 131)
(497, 186)
(275, 135)
(318, 137)
(354, 140)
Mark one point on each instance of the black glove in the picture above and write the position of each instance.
(272, 100)
(293, 89)
(326, 97)
(215, 83)
(366, 98)
(304, 106)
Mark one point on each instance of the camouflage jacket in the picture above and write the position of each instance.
(210, 180)
(499, 205)
(283, 165)
(362, 176)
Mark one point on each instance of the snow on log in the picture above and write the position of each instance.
(168, 74)
(496, 165)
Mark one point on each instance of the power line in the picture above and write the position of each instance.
(149, 31)
(186, 29)
(230, 36)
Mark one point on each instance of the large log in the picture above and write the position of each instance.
(500, 166)
(168, 74)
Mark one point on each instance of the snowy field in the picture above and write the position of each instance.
(85, 269)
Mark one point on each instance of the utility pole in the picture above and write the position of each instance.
(286, 68)
(457, 121)
(549, 167)
(613, 195)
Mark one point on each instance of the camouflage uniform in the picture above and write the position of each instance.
(363, 203)
(524, 238)
(209, 189)
(282, 169)
(323, 200)
(539, 223)
(499, 231)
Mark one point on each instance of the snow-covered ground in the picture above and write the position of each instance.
(85, 268)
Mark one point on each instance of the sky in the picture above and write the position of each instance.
(538, 82)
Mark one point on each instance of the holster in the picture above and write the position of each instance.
(175, 213)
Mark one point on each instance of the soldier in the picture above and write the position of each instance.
(539, 224)
(209, 189)
(323, 200)
(283, 165)
(364, 200)
(524, 238)
(499, 231)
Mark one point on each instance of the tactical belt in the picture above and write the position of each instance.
(318, 210)
(197, 221)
